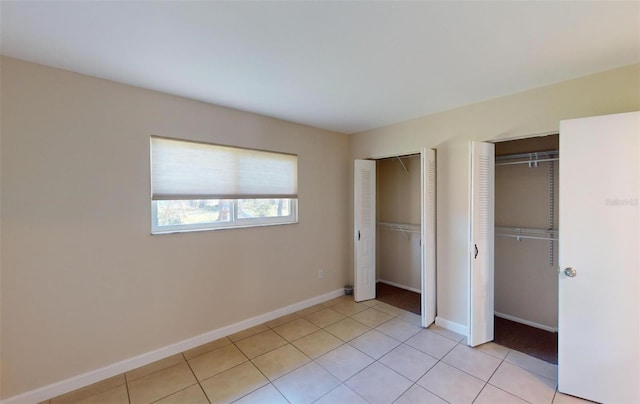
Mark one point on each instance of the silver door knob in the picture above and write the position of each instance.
(570, 272)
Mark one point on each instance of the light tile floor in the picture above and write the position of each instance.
(336, 352)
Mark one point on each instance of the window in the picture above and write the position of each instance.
(201, 186)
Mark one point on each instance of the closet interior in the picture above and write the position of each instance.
(398, 232)
(526, 245)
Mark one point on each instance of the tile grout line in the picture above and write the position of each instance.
(278, 390)
(196, 377)
(494, 372)
(281, 376)
(412, 382)
(126, 385)
(436, 364)
(337, 387)
(292, 370)
(422, 375)
(486, 383)
(257, 368)
(427, 371)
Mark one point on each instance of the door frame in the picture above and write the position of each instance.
(422, 152)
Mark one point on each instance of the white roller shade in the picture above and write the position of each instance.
(190, 170)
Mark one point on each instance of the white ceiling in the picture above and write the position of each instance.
(343, 66)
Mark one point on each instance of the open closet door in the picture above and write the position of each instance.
(481, 243)
(599, 284)
(428, 235)
(364, 213)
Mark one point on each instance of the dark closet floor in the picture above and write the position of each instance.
(401, 298)
(529, 340)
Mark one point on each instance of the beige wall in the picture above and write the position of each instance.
(1, 357)
(398, 200)
(84, 284)
(526, 283)
(527, 113)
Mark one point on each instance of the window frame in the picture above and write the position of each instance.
(183, 170)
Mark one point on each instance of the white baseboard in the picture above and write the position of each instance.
(526, 322)
(397, 285)
(85, 379)
(451, 326)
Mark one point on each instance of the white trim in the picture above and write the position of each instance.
(451, 326)
(526, 322)
(397, 285)
(526, 136)
(85, 379)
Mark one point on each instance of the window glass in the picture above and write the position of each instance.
(259, 208)
(172, 213)
(210, 214)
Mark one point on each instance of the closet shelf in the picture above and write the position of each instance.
(405, 228)
(408, 227)
(532, 159)
(530, 233)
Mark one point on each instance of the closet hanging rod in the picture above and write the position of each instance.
(509, 163)
(535, 230)
(527, 233)
(520, 237)
(406, 227)
(546, 153)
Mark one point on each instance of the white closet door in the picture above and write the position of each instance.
(481, 243)
(365, 230)
(428, 226)
(599, 284)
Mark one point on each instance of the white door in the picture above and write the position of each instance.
(428, 235)
(481, 243)
(364, 213)
(599, 285)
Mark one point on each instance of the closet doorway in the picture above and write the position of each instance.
(526, 246)
(394, 232)
(513, 277)
(398, 241)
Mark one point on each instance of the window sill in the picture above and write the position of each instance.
(230, 227)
